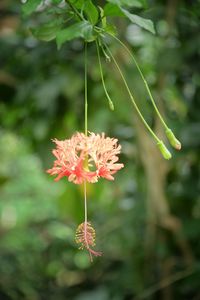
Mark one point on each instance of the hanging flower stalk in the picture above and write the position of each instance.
(86, 158)
(82, 159)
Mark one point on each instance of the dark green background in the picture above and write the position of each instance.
(147, 220)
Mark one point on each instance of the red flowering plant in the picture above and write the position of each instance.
(86, 158)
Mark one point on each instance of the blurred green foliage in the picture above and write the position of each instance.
(42, 97)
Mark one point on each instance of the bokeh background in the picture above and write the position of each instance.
(147, 220)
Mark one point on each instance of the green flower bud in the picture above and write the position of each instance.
(111, 105)
(173, 140)
(163, 149)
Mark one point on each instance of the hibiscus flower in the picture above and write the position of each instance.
(86, 158)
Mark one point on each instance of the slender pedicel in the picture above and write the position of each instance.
(159, 142)
(86, 130)
(170, 135)
(111, 105)
(131, 96)
(85, 213)
(86, 92)
(85, 234)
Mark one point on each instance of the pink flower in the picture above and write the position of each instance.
(86, 158)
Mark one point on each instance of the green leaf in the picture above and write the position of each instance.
(57, 10)
(82, 29)
(56, 1)
(91, 11)
(112, 10)
(103, 17)
(48, 31)
(30, 6)
(88, 8)
(130, 3)
(142, 22)
(77, 3)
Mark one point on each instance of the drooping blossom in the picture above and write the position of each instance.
(85, 237)
(86, 158)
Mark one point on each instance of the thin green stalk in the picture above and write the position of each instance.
(169, 133)
(111, 105)
(86, 161)
(86, 221)
(105, 54)
(143, 79)
(132, 98)
(86, 92)
(85, 201)
(75, 10)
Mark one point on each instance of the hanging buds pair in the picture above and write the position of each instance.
(170, 135)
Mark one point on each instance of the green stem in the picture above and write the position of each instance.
(85, 201)
(132, 98)
(86, 130)
(86, 220)
(104, 52)
(75, 10)
(143, 79)
(102, 79)
(86, 92)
